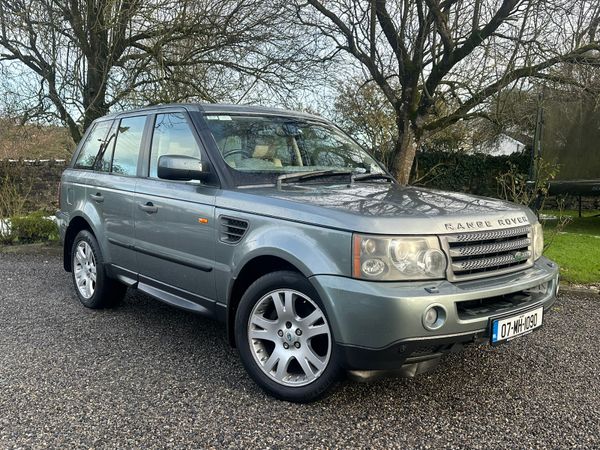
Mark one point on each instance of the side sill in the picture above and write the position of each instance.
(176, 297)
(124, 275)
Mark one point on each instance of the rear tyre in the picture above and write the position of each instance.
(284, 339)
(92, 285)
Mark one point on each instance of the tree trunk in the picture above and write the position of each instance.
(405, 150)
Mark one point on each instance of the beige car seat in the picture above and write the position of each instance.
(266, 152)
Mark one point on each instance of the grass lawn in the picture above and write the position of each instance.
(576, 248)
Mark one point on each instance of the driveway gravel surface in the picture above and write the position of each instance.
(147, 375)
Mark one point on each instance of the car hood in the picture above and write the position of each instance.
(382, 208)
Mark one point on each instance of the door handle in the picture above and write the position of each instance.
(97, 197)
(148, 207)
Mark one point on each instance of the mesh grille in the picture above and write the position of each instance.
(487, 253)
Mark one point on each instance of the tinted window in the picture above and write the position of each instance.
(128, 144)
(91, 146)
(172, 136)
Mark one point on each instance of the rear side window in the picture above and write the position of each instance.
(128, 144)
(172, 135)
(92, 144)
(105, 156)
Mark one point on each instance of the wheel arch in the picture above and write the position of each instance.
(76, 224)
(251, 271)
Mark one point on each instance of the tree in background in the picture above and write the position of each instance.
(362, 112)
(361, 109)
(76, 59)
(438, 62)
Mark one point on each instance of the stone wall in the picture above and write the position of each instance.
(35, 179)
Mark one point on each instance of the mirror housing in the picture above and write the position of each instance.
(182, 168)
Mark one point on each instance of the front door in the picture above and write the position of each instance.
(175, 221)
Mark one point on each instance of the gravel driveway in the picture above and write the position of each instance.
(147, 375)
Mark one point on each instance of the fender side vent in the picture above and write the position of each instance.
(232, 230)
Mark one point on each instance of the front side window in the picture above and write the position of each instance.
(128, 145)
(172, 135)
(91, 146)
(267, 146)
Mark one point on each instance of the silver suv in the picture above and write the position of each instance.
(280, 225)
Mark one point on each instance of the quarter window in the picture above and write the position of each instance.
(128, 144)
(92, 144)
(172, 136)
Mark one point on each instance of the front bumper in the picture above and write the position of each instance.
(379, 325)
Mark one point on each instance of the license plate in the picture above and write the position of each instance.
(508, 328)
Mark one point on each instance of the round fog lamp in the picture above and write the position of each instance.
(431, 316)
(434, 317)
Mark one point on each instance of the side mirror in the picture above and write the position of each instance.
(182, 168)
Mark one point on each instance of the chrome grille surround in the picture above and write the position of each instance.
(482, 254)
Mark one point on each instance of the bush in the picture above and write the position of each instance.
(35, 227)
(471, 173)
(14, 192)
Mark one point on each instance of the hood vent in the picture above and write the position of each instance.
(232, 229)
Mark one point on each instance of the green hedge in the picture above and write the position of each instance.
(35, 227)
(471, 173)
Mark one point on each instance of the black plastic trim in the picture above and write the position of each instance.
(193, 265)
(396, 355)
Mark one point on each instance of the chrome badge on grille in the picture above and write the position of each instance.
(521, 256)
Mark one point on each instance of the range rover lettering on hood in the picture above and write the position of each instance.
(483, 224)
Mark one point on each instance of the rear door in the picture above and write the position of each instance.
(175, 220)
(112, 189)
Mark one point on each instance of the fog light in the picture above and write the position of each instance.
(434, 317)
(431, 317)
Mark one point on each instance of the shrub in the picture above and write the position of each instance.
(14, 192)
(35, 227)
(476, 173)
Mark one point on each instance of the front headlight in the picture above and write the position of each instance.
(538, 241)
(397, 258)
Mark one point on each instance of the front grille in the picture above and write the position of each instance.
(486, 253)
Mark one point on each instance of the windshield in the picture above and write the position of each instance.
(263, 147)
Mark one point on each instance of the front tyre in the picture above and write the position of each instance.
(284, 338)
(92, 285)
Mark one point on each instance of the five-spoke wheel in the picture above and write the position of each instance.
(284, 337)
(289, 337)
(93, 286)
(85, 269)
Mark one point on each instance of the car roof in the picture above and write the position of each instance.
(215, 108)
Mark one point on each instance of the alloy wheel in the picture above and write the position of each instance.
(85, 269)
(289, 337)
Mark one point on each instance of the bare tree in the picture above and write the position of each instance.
(438, 61)
(76, 59)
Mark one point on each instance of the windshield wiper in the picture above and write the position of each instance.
(372, 176)
(303, 176)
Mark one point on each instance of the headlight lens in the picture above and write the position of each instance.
(398, 258)
(538, 240)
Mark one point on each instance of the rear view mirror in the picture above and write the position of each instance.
(182, 168)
